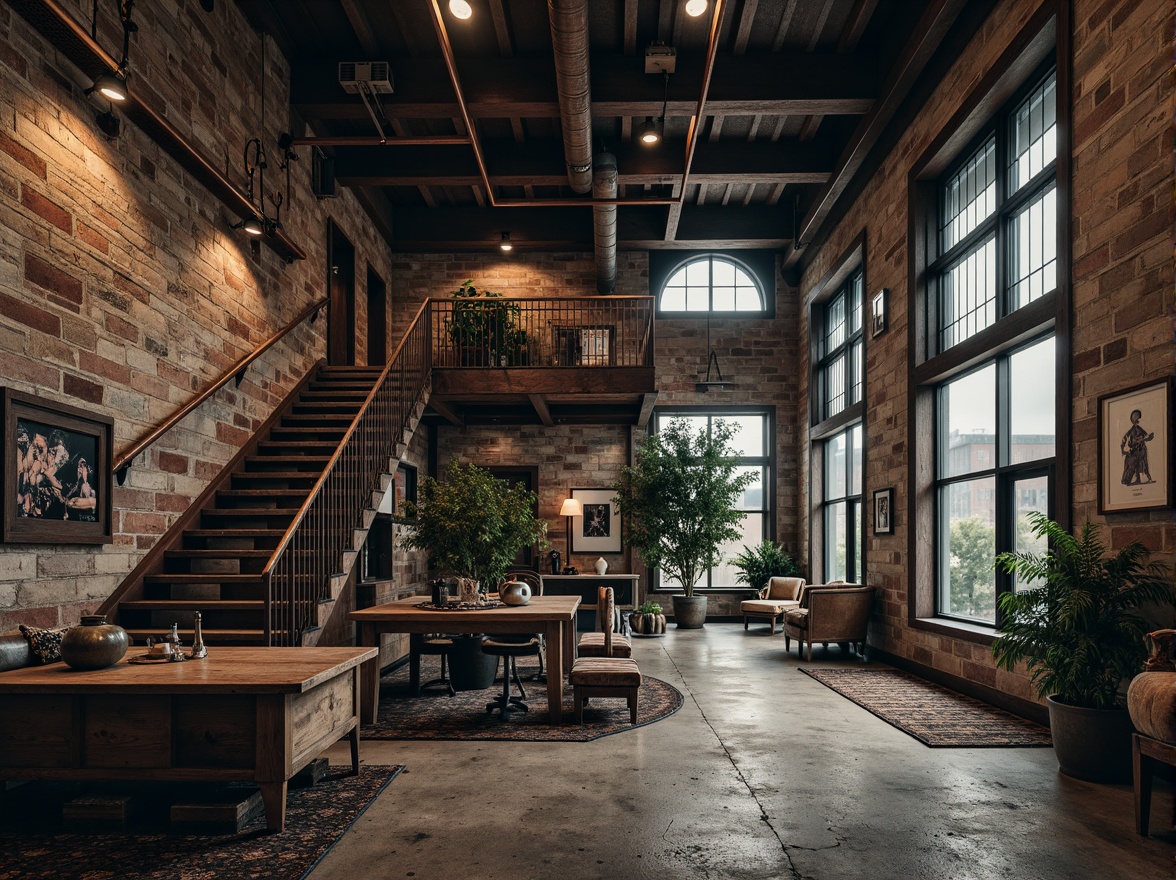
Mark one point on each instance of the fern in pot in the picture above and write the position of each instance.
(1075, 622)
(757, 565)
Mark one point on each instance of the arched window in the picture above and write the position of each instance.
(711, 283)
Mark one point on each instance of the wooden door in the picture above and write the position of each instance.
(341, 302)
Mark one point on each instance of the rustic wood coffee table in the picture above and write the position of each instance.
(240, 714)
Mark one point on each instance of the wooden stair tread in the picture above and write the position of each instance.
(201, 605)
(278, 492)
(187, 577)
(217, 553)
(234, 533)
(212, 635)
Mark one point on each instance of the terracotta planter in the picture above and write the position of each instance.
(1091, 744)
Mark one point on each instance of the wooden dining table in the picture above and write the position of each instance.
(554, 616)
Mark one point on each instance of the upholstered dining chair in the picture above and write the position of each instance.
(593, 644)
(511, 646)
(433, 645)
(535, 582)
(607, 675)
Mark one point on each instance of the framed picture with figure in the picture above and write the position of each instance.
(884, 511)
(1135, 448)
(598, 529)
(56, 475)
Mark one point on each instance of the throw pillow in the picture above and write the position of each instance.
(44, 643)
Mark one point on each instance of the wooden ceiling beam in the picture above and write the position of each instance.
(498, 88)
(540, 403)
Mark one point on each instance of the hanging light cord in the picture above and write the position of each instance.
(665, 98)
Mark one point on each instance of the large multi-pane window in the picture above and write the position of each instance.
(997, 230)
(753, 442)
(842, 506)
(711, 283)
(995, 423)
(996, 448)
(839, 349)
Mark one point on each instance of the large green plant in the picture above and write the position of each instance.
(1076, 625)
(767, 560)
(471, 524)
(482, 321)
(679, 499)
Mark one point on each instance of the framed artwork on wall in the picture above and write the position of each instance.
(56, 475)
(1135, 448)
(884, 511)
(598, 528)
(878, 321)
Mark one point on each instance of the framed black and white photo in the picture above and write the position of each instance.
(878, 312)
(1135, 448)
(598, 529)
(884, 511)
(56, 475)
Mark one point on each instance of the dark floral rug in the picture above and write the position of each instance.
(34, 845)
(436, 715)
(932, 714)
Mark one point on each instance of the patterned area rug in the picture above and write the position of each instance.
(32, 844)
(436, 715)
(936, 716)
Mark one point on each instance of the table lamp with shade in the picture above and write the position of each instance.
(571, 507)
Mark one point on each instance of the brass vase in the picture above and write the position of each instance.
(94, 644)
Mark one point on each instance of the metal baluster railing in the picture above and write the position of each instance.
(298, 573)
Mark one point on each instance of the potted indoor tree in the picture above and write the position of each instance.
(756, 565)
(472, 525)
(679, 503)
(1075, 622)
(485, 329)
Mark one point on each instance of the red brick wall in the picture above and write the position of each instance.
(1122, 279)
(122, 289)
(760, 356)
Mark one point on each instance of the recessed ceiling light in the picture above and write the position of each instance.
(461, 9)
(695, 8)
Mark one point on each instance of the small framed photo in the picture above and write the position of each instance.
(598, 529)
(1135, 448)
(56, 473)
(878, 312)
(884, 511)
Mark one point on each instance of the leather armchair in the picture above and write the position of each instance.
(830, 613)
(780, 594)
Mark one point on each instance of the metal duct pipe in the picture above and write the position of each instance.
(604, 221)
(569, 39)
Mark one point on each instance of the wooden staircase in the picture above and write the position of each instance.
(213, 560)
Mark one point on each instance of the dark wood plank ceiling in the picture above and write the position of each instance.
(799, 93)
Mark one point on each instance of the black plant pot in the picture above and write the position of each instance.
(469, 668)
(1091, 744)
(689, 611)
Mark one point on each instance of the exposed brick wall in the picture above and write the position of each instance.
(760, 356)
(122, 288)
(1122, 279)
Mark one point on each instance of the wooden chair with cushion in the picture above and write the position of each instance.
(606, 676)
(830, 613)
(593, 644)
(432, 645)
(780, 594)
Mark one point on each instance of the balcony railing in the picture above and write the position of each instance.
(591, 331)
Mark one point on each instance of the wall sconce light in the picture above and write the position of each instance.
(571, 507)
(695, 8)
(505, 244)
(461, 9)
(111, 86)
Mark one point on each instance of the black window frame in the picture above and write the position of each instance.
(855, 515)
(827, 358)
(758, 266)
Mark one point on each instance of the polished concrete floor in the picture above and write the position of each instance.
(764, 773)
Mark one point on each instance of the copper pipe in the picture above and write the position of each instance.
(696, 120)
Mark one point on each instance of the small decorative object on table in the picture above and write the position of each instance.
(95, 644)
(173, 638)
(556, 563)
(439, 590)
(515, 593)
(199, 651)
(648, 620)
(468, 591)
(601, 566)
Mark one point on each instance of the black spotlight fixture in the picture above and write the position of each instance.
(109, 124)
(111, 86)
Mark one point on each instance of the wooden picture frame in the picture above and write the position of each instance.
(1135, 449)
(878, 309)
(598, 528)
(884, 511)
(57, 472)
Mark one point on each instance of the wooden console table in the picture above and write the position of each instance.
(240, 714)
(584, 585)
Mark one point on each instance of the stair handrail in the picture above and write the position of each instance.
(123, 462)
(318, 531)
